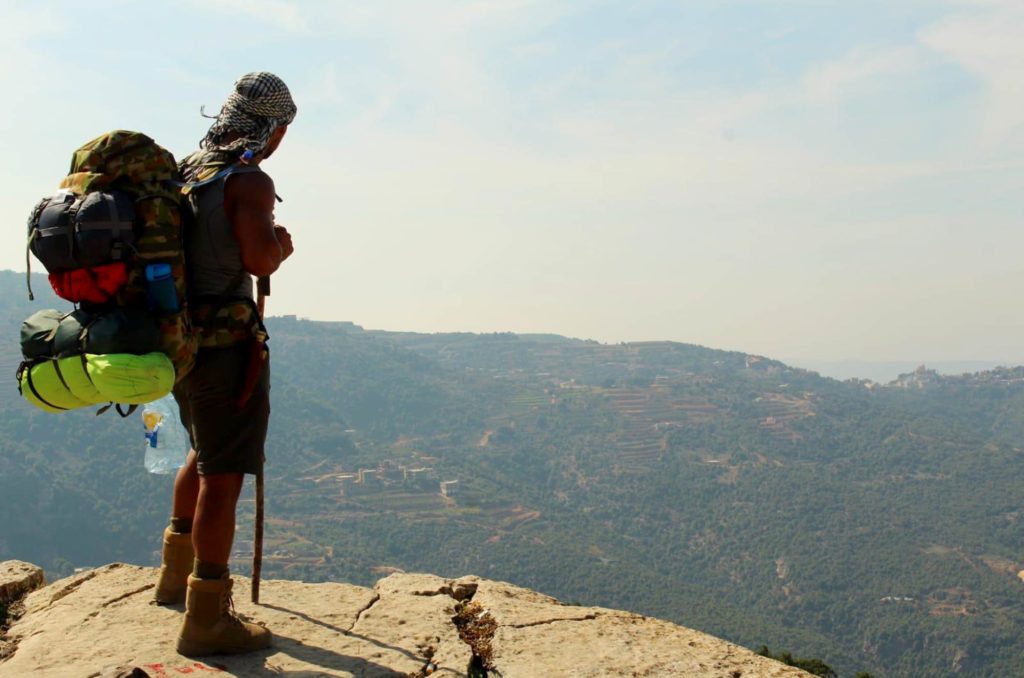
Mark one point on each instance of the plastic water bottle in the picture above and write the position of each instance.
(167, 443)
(160, 285)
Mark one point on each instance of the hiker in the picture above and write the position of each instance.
(225, 399)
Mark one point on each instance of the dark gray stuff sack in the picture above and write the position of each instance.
(53, 334)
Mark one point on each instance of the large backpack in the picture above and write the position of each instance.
(119, 210)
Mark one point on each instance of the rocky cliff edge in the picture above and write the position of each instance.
(102, 623)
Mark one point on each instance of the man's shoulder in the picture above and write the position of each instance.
(248, 183)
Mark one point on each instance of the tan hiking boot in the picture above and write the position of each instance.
(175, 568)
(210, 625)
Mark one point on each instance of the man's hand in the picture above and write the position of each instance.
(284, 239)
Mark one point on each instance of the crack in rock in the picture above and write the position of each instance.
(128, 595)
(460, 591)
(542, 622)
(15, 611)
(72, 587)
(363, 610)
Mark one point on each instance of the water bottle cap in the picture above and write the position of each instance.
(157, 271)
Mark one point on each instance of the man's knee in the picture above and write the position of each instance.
(188, 471)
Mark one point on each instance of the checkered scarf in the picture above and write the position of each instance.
(259, 104)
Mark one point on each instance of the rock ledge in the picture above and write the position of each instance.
(18, 578)
(407, 625)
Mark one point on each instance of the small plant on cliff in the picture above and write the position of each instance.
(813, 665)
(476, 629)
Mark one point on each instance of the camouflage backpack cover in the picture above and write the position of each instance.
(132, 163)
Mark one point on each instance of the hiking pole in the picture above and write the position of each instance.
(262, 292)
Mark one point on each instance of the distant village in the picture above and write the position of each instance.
(389, 474)
(923, 378)
(399, 486)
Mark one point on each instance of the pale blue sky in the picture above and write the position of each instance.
(804, 179)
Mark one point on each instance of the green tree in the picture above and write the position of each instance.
(811, 665)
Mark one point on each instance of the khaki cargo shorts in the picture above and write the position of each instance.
(226, 438)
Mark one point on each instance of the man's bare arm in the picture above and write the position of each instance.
(249, 204)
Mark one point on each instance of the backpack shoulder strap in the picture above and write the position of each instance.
(236, 168)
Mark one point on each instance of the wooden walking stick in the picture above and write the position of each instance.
(262, 292)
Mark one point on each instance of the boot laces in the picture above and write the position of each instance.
(228, 610)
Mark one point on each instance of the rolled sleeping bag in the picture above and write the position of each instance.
(131, 379)
(58, 385)
(53, 334)
(37, 333)
(118, 330)
(68, 383)
(70, 232)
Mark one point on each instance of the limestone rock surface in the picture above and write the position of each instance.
(102, 623)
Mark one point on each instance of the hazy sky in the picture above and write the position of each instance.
(800, 178)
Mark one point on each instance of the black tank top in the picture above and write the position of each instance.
(213, 254)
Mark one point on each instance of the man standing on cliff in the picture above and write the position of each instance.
(225, 399)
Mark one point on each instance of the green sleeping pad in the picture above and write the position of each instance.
(79, 381)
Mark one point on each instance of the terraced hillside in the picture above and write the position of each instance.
(876, 527)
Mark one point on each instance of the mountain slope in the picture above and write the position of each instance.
(877, 528)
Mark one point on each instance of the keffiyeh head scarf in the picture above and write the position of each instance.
(258, 105)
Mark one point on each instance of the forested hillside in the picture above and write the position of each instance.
(876, 527)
